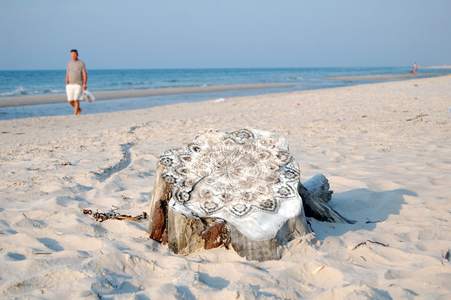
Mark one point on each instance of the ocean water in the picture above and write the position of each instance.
(19, 83)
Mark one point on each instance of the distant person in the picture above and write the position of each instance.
(414, 69)
(76, 81)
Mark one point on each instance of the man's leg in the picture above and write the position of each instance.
(72, 103)
(77, 108)
(70, 95)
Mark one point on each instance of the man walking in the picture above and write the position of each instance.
(76, 81)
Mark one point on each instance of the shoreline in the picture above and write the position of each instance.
(385, 77)
(102, 95)
(59, 108)
(13, 101)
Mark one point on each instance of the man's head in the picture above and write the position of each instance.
(74, 54)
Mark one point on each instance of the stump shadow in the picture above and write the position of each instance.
(366, 207)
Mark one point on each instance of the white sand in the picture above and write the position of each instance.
(382, 167)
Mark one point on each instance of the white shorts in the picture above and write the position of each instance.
(73, 92)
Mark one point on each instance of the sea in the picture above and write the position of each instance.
(42, 82)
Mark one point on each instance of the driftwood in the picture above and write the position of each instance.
(186, 231)
(113, 215)
(315, 195)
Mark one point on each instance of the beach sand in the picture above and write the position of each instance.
(14, 101)
(386, 149)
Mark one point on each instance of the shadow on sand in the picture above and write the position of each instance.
(364, 206)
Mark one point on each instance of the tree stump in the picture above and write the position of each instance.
(237, 189)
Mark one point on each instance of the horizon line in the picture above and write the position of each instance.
(218, 68)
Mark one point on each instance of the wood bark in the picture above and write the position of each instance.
(187, 234)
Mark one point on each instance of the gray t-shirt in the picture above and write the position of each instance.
(74, 71)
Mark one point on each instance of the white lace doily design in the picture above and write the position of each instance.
(246, 177)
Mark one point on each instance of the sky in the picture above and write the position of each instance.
(113, 34)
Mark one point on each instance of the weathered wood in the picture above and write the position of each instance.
(296, 227)
(186, 235)
(318, 188)
(215, 236)
(186, 232)
(315, 195)
(182, 234)
(158, 207)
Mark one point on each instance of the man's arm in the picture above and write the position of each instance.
(84, 74)
(67, 75)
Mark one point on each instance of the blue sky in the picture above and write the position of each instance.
(228, 33)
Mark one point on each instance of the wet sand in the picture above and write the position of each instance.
(122, 94)
(382, 77)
